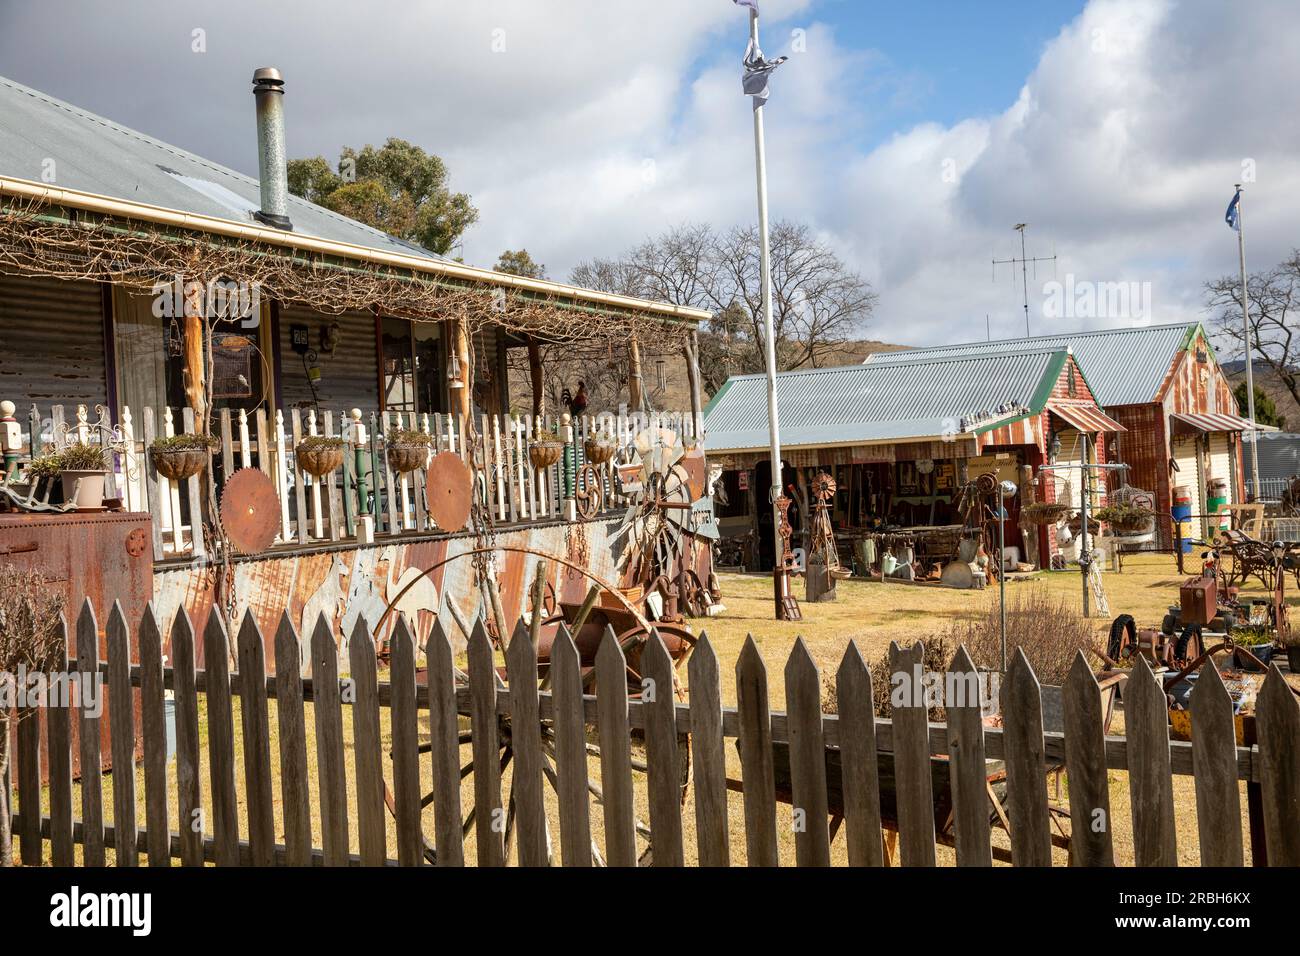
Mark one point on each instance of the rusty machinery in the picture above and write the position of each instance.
(664, 480)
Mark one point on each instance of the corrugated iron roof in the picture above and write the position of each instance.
(880, 401)
(96, 155)
(1187, 421)
(1123, 366)
(1084, 416)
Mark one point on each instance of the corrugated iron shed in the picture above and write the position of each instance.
(1124, 366)
(879, 401)
(1279, 455)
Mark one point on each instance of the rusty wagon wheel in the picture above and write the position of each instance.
(588, 491)
(505, 732)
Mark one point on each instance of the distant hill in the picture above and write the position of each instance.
(853, 353)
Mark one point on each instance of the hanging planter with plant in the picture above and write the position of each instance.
(1044, 512)
(318, 455)
(407, 449)
(82, 468)
(599, 447)
(1126, 518)
(545, 449)
(182, 456)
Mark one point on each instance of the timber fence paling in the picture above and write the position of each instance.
(550, 764)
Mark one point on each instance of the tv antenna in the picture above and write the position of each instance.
(1024, 262)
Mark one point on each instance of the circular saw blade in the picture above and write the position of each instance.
(250, 511)
(449, 490)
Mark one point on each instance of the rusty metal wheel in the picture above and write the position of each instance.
(589, 492)
(505, 732)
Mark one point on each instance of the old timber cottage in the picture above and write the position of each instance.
(147, 292)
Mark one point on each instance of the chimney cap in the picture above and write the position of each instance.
(267, 75)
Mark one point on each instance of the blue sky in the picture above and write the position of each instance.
(910, 136)
(947, 60)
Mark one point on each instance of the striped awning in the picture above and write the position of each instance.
(1084, 416)
(1184, 422)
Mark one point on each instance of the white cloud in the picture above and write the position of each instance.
(605, 122)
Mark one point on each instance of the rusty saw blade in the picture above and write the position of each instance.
(448, 491)
(250, 510)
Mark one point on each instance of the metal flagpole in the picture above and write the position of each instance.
(1250, 351)
(779, 574)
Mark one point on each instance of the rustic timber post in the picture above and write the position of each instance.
(11, 435)
(535, 374)
(635, 392)
(365, 520)
(464, 398)
(691, 349)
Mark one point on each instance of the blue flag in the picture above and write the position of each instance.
(1232, 218)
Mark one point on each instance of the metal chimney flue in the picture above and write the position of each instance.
(272, 160)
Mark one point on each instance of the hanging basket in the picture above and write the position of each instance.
(177, 464)
(1044, 513)
(599, 449)
(543, 454)
(407, 458)
(319, 459)
(1125, 518)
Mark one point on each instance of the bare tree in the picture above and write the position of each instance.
(29, 636)
(1273, 301)
(818, 304)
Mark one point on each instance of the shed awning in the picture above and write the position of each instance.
(1184, 422)
(1085, 416)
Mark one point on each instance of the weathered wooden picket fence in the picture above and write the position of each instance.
(177, 827)
(314, 510)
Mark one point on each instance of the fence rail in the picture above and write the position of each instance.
(848, 771)
(315, 510)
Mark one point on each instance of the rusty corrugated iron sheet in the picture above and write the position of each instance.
(353, 583)
(95, 556)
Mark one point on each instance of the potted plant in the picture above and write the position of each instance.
(1126, 518)
(182, 456)
(1291, 642)
(1258, 640)
(545, 449)
(599, 447)
(407, 449)
(1044, 512)
(82, 468)
(318, 455)
(41, 473)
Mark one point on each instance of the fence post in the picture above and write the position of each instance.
(1278, 717)
(615, 751)
(154, 727)
(807, 757)
(88, 731)
(294, 793)
(914, 791)
(189, 785)
(258, 790)
(1085, 760)
(221, 740)
(483, 684)
(710, 761)
(59, 742)
(967, 773)
(756, 756)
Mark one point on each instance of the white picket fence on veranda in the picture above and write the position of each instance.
(315, 510)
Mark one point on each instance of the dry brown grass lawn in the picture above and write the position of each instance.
(872, 614)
